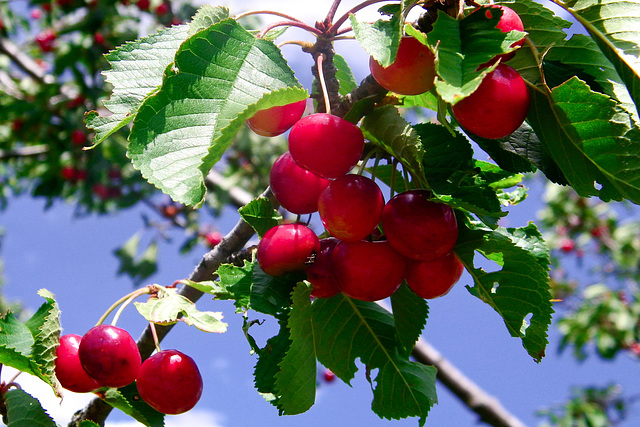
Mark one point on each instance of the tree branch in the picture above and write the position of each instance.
(30, 151)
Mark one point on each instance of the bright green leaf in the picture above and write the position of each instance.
(23, 410)
(379, 39)
(207, 16)
(344, 75)
(260, 215)
(128, 401)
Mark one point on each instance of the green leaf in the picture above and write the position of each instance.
(260, 215)
(519, 291)
(207, 16)
(463, 46)
(23, 410)
(222, 75)
(170, 307)
(136, 71)
(614, 26)
(138, 267)
(410, 317)
(268, 364)
(296, 381)
(86, 423)
(379, 39)
(385, 128)
(347, 329)
(344, 75)
(128, 401)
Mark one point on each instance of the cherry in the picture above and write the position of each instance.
(325, 144)
(567, 244)
(78, 137)
(368, 271)
(276, 120)
(498, 107)
(285, 248)
(412, 72)
(350, 207)
(46, 40)
(109, 355)
(509, 21)
(295, 188)
(433, 279)
(69, 173)
(321, 273)
(69, 371)
(163, 8)
(418, 228)
(213, 238)
(143, 4)
(328, 376)
(170, 382)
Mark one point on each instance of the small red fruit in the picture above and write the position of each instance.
(350, 207)
(78, 137)
(321, 273)
(412, 72)
(99, 38)
(295, 188)
(163, 8)
(567, 244)
(368, 271)
(276, 120)
(213, 238)
(329, 376)
(433, 279)
(285, 248)
(69, 371)
(498, 107)
(46, 40)
(509, 21)
(170, 382)
(418, 228)
(143, 4)
(110, 356)
(325, 144)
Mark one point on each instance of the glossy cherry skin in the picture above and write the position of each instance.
(368, 271)
(509, 21)
(418, 228)
(321, 273)
(296, 189)
(412, 72)
(325, 144)
(110, 356)
(350, 207)
(433, 279)
(285, 248)
(69, 371)
(498, 107)
(170, 382)
(276, 120)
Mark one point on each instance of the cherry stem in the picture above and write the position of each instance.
(405, 175)
(332, 12)
(303, 44)
(120, 301)
(298, 24)
(393, 177)
(323, 83)
(133, 295)
(367, 157)
(335, 26)
(266, 12)
(154, 334)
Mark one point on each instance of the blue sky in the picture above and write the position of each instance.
(73, 258)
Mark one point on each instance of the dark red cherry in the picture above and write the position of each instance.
(69, 371)
(321, 273)
(170, 382)
(276, 120)
(295, 188)
(285, 248)
(433, 279)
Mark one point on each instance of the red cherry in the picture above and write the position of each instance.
(350, 207)
(498, 107)
(99, 38)
(509, 21)
(163, 9)
(69, 371)
(78, 137)
(46, 40)
(213, 239)
(295, 188)
(368, 271)
(321, 273)
(325, 144)
(418, 228)
(328, 376)
(36, 14)
(285, 248)
(433, 279)
(567, 244)
(110, 356)
(411, 73)
(170, 382)
(276, 120)
(68, 173)
(143, 4)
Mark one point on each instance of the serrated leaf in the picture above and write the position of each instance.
(344, 75)
(136, 71)
(170, 307)
(206, 16)
(385, 128)
(222, 75)
(519, 290)
(23, 410)
(128, 401)
(296, 380)
(463, 46)
(347, 329)
(86, 423)
(614, 26)
(260, 215)
(410, 317)
(267, 366)
(379, 39)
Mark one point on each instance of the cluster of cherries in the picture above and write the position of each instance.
(419, 234)
(502, 94)
(107, 356)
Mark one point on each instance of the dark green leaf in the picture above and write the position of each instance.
(410, 317)
(260, 215)
(128, 401)
(344, 75)
(25, 411)
(267, 366)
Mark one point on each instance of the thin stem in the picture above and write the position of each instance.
(266, 12)
(335, 26)
(113, 307)
(393, 178)
(154, 333)
(303, 44)
(367, 157)
(132, 296)
(298, 24)
(332, 12)
(323, 83)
